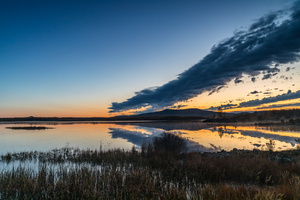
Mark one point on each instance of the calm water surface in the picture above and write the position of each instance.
(200, 136)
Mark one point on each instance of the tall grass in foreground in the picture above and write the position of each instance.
(152, 173)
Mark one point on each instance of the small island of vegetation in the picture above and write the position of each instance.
(29, 127)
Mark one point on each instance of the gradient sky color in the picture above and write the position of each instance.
(74, 58)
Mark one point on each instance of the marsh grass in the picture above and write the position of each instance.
(149, 173)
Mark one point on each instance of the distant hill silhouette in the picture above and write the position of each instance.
(175, 114)
(179, 113)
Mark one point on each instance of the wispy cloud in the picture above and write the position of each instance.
(287, 96)
(268, 42)
(280, 106)
(254, 92)
(223, 106)
(258, 102)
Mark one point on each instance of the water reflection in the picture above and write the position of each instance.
(135, 135)
(204, 137)
(200, 136)
(172, 125)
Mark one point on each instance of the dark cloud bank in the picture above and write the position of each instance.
(269, 42)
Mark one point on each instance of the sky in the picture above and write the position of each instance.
(105, 58)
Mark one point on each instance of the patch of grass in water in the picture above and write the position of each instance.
(29, 127)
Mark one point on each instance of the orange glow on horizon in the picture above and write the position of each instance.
(103, 111)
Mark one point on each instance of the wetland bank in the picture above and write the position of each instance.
(138, 168)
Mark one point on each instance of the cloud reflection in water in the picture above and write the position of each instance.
(207, 138)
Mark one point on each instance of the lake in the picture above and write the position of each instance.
(94, 135)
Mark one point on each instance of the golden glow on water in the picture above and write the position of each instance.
(227, 138)
(215, 140)
(265, 130)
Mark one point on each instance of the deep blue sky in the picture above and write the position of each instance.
(73, 58)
